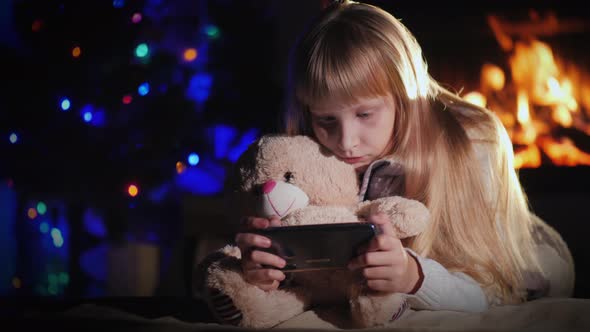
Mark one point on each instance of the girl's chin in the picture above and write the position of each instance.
(361, 168)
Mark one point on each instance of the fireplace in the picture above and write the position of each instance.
(530, 65)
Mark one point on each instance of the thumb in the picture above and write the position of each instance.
(275, 221)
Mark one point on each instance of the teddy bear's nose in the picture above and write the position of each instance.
(268, 186)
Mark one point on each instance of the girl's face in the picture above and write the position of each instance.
(357, 133)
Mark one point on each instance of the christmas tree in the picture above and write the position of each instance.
(118, 108)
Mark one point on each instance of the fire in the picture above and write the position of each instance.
(539, 98)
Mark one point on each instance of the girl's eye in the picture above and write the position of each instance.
(288, 177)
(326, 120)
(364, 115)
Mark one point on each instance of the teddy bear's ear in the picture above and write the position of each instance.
(244, 168)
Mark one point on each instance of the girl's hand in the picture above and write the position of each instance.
(254, 261)
(384, 263)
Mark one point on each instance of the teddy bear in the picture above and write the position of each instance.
(296, 179)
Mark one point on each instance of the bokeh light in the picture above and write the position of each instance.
(190, 54)
(132, 190)
(142, 50)
(193, 159)
(41, 208)
(32, 213)
(127, 99)
(76, 51)
(180, 167)
(136, 18)
(65, 104)
(143, 89)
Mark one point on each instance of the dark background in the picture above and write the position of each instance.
(81, 171)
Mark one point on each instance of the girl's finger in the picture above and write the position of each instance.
(265, 258)
(378, 272)
(375, 258)
(269, 286)
(264, 276)
(254, 223)
(383, 222)
(275, 221)
(383, 242)
(380, 285)
(245, 241)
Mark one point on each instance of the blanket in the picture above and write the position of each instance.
(547, 314)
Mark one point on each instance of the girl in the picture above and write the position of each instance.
(360, 87)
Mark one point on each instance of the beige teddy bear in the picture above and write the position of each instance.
(295, 178)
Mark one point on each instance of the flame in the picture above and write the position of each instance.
(537, 96)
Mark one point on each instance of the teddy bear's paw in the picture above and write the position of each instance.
(378, 310)
(223, 308)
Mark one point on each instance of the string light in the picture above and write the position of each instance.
(76, 51)
(32, 213)
(190, 54)
(180, 167)
(142, 50)
(58, 240)
(136, 18)
(212, 31)
(143, 89)
(193, 159)
(65, 104)
(132, 190)
(13, 138)
(127, 99)
(87, 116)
(41, 208)
(44, 227)
(118, 3)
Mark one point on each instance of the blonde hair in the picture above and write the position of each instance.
(357, 50)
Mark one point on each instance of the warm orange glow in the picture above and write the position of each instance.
(493, 77)
(76, 51)
(476, 98)
(190, 54)
(180, 167)
(564, 152)
(539, 95)
(16, 282)
(523, 114)
(133, 190)
(32, 213)
(528, 157)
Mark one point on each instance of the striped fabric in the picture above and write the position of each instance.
(400, 312)
(223, 308)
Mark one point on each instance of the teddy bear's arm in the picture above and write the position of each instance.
(234, 301)
(408, 217)
(370, 309)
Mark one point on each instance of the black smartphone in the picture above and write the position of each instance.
(317, 247)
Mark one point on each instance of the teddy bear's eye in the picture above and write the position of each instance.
(289, 177)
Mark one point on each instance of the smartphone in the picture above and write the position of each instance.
(317, 247)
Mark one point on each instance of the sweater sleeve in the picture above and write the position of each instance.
(444, 290)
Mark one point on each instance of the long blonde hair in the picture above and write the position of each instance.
(356, 50)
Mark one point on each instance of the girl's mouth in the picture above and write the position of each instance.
(352, 160)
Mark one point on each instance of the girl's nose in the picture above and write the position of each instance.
(348, 139)
(268, 186)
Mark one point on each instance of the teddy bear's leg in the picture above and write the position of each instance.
(370, 309)
(235, 301)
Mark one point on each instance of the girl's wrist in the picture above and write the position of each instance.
(415, 276)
